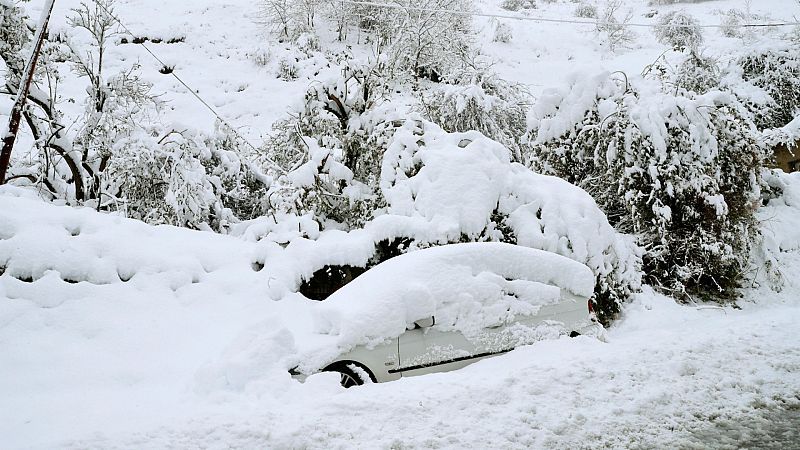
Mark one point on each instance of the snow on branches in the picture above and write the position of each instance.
(680, 171)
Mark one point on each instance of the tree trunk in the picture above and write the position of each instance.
(22, 92)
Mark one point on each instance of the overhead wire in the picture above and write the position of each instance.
(188, 88)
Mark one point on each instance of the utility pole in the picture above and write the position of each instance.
(22, 91)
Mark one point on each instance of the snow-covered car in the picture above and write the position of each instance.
(442, 308)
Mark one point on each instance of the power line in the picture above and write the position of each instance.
(188, 88)
(554, 20)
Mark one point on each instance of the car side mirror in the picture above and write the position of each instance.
(425, 323)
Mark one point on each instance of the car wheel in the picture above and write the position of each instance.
(350, 374)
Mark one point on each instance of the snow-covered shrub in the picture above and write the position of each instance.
(776, 73)
(698, 73)
(479, 100)
(693, 72)
(287, 69)
(680, 171)
(679, 30)
(516, 5)
(612, 25)
(14, 35)
(309, 43)
(732, 20)
(586, 10)
(262, 57)
(502, 33)
(183, 178)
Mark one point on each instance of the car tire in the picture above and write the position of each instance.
(349, 375)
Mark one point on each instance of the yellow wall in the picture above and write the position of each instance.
(788, 159)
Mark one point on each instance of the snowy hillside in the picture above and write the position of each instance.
(189, 176)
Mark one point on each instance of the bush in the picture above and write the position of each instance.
(731, 23)
(516, 5)
(586, 10)
(679, 31)
(479, 100)
(692, 73)
(681, 172)
(502, 33)
(776, 71)
(184, 178)
(462, 187)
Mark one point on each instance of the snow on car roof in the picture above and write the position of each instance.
(465, 286)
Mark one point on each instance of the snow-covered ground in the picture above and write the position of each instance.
(173, 338)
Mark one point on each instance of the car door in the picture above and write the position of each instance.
(550, 322)
(428, 349)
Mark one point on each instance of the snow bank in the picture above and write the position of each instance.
(80, 245)
(465, 287)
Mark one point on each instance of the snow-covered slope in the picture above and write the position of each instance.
(231, 61)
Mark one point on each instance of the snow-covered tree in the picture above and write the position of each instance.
(612, 25)
(14, 35)
(50, 165)
(289, 18)
(117, 155)
(331, 148)
(680, 171)
(418, 38)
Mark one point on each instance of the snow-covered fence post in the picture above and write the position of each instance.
(22, 92)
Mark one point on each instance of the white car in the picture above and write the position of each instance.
(485, 300)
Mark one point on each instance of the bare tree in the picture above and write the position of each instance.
(612, 25)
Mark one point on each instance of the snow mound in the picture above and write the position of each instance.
(466, 287)
(80, 245)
